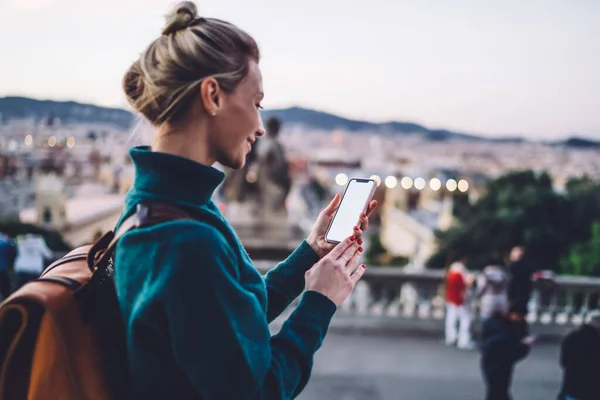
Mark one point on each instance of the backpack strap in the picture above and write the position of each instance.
(99, 257)
(146, 214)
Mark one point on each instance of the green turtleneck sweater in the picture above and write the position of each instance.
(195, 308)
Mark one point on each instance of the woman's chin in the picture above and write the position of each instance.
(235, 163)
(234, 160)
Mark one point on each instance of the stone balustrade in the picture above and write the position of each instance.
(388, 293)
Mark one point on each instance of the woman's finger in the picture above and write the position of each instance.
(358, 233)
(364, 222)
(372, 206)
(364, 217)
(350, 253)
(354, 260)
(342, 246)
(355, 277)
(333, 205)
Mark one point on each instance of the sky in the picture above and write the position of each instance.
(493, 67)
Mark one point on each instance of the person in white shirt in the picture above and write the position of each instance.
(31, 254)
(492, 291)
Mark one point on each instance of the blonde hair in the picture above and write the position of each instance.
(164, 81)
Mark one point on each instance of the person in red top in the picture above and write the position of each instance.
(457, 284)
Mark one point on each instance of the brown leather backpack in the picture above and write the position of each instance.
(62, 336)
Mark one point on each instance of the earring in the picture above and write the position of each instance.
(213, 113)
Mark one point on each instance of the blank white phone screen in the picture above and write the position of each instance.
(353, 203)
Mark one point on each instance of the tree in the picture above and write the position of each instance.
(377, 254)
(521, 208)
(584, 257)
(583, 195)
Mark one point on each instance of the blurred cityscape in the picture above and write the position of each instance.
(71, 175)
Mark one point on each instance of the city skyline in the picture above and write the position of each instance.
(511, 69)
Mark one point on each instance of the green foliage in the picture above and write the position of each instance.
(53, 239)
(377, 254)
(460, 205)
(584, 257)
(375, 249)
(397, 261)
(521, 208)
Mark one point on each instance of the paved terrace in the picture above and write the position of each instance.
(377, 367)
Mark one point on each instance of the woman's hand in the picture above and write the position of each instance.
(316, 239)
(336, 274)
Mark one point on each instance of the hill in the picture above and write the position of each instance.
(580, 143)
(73, 112)
(70, 112)
(325, 121)
(67, 111)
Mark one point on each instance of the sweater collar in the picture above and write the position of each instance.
(172, 176)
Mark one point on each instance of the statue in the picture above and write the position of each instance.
(264, 181)
(273, 170)
(240, 185)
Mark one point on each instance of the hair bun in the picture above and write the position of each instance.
(180, 18)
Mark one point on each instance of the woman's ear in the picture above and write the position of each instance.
(210, 93)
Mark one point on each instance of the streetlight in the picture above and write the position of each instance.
(451, 185)
(391, 182)
(376, 178)
(406, 182)
(341, 179)
(435, 184)
(420, 183)
(463, 185)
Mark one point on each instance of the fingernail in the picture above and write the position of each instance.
(356, 228)
(352, 238)
(363, 266)
(359, 241)
(363, 215)
(360, 249)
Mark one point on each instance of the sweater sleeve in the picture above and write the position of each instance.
(285, 282)
(219, 332)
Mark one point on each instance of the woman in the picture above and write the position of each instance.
(195, 308)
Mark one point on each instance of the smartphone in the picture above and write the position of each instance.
(355, 200)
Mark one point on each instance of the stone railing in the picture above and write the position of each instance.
(393, 297)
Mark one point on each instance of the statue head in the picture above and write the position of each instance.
(273, 127)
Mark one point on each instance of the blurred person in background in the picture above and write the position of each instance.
(7, 256)
(504, 342)
(580, 361)
(458, 318)
(521, 282)
(32, 252)
(492, 291)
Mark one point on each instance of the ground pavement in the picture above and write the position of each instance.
(408, 367)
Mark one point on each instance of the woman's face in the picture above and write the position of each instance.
(238, 122)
